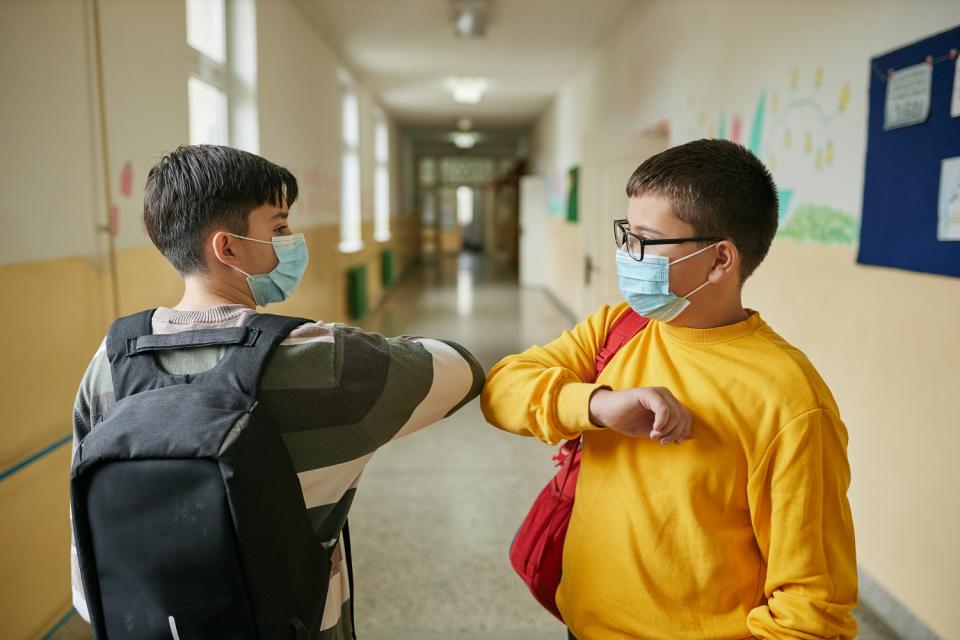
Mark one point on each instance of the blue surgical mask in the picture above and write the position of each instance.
(279, 284)
(645, 286)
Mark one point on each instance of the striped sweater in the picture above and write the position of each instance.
(336, 393)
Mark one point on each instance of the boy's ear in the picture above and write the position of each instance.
(726, 262)
(222, 247)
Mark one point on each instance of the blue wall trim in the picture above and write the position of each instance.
(26, 462)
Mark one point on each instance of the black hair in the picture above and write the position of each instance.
(197, 188)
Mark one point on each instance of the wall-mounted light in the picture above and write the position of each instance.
(467, 90)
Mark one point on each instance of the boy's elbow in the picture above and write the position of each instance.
(485, 407)
(492, 401)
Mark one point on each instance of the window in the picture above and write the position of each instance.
(464, 206)
(350, 224)
(208, 113)
(381, 185)
(428, 172)
(222, 82)
(466, 170)
(206, 28)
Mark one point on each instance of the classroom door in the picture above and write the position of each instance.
(533, 217)
(608, 162)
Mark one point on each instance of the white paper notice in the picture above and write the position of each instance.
(955, 102)
(908, 96)
(948, 227)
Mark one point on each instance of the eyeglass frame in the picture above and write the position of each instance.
(622, 224)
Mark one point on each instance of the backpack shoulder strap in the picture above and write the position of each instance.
(129, 373)
(626, 326)
(349, 553)
(190, 339)
(248, 360)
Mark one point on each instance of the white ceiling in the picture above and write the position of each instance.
(404, 51)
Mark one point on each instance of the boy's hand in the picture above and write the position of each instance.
(644, 411)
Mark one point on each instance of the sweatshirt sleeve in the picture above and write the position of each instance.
(803, 525)
(455, 375)
(545, 391)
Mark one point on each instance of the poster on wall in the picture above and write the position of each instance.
(802, 123)
(908, 96)
(911, 189)
(955, 102)
(949, 207)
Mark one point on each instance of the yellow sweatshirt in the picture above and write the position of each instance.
(742, 531)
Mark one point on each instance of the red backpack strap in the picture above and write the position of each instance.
(626, 326)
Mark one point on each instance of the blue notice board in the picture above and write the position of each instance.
(901, 190)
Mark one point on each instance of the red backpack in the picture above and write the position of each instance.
(537, 550)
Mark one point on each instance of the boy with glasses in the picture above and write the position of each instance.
(744, 530)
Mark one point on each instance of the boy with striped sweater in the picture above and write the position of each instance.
(336, 393)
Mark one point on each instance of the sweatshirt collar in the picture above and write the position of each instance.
(713, 335)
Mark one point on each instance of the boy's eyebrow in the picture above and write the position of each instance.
(282, 214)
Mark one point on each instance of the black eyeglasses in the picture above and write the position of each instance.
(635, 245)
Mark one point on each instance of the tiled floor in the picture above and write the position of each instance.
(436, 512)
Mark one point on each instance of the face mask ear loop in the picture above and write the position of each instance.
(248, 238)
(213, 244)
(240, 270)
(697, 289)
(679, 260)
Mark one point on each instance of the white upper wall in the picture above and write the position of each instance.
(704, 66)
(50, 161)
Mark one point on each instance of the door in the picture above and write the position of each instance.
(608, 162)
(533, 217)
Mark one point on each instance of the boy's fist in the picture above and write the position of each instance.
(640, 412)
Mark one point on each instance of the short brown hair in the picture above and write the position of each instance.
(720, 189)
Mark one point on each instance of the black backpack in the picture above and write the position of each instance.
(188, 516)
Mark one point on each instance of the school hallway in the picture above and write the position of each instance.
(436, 511)
(459, 169)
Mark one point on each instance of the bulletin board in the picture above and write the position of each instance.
(912, 177)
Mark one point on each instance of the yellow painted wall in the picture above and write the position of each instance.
(884, 340)
(35, 563)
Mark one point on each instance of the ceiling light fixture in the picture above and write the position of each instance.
(470, 17)
(464, 140)
(467, 90)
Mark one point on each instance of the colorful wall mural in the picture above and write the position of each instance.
(800, 128)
